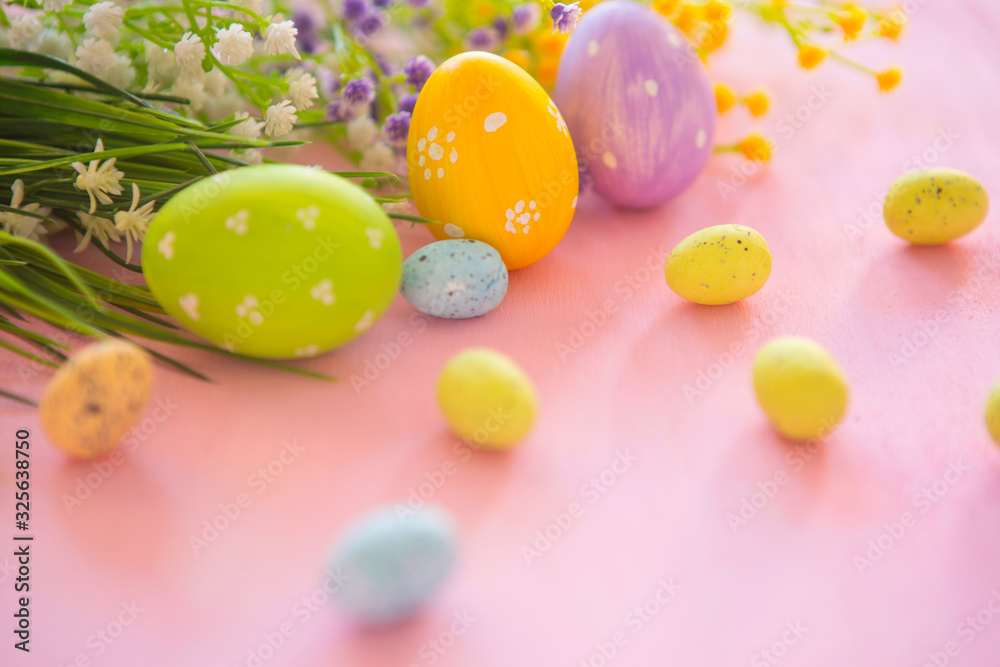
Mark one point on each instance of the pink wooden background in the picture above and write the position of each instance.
(912, 470)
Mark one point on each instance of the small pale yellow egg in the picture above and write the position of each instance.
(95, 398)
(800, 387)
(935, 206)
(486, 398)
(993, 414)
(719, 265)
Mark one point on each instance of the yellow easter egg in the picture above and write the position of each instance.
(486, 398)
(993, 414)
(95, 398)
(490, 158)
(800, 387)
(719, 265)
(935, 206)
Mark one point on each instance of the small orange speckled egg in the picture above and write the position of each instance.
(490, 158)
(95, 398)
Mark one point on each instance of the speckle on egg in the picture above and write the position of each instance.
(935, 206)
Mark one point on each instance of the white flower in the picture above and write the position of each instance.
(55, 5)
(250, 156)
(249, 128)
(26, 226)
(104, 18)
(96, 226)
(361, 132)
(189, 52)
(120, 73)
(55, 43)
(98, 179)
(280, 38)
(160, 62)
(301, 88)
(132, 223)
(234, 44)
(95, 56)
(193, 91)
(216, 83)
(279, 119)
(23, 31)
(380, 157)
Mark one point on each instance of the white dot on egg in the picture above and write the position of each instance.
(610, 160)
(700, 139)
(435, 151)
(451, 137)
(421, 161)
(422, 144)
(427, 174)
(574, 201)
(652, 87)
(454, 231)
(440, 173)
(494, 121)
(592, 48)
(454, 156)
(674, 40)
(432, 134)
(536, 217)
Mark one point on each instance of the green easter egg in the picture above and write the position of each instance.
(275, 261)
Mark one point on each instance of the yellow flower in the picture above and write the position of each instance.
(665, 7)
(851, 20)
(755, 147)
(712, 36)
(717, 11)
(724, 98)
(889, 79)
(810, 56)
(519, 57)
(757, 103)
(892, 24)
(546, 72)
(686, 17)
(549, 44)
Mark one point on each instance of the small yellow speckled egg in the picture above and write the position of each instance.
(800, 386)
(719, 265)
(489, 158)
(993, 414)
(935, 206)
(486, 398)
(95, 398)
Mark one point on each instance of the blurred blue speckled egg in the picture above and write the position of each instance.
(456, 279)
(391, 561)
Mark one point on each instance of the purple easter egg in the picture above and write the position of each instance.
(638, 103)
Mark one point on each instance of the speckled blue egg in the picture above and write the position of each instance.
(391, 561)
(455, 279)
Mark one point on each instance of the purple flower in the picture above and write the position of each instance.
(354, 10)
(565, 17)
(384, 65)
(383, 3)
(500, 25)
(358, 92)
(482, 39)
(586, 180)
(396, 129)
(526, 18)
(370, 23)
(339, 110)
(408, 102)
(418, 69)
(305, 23)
